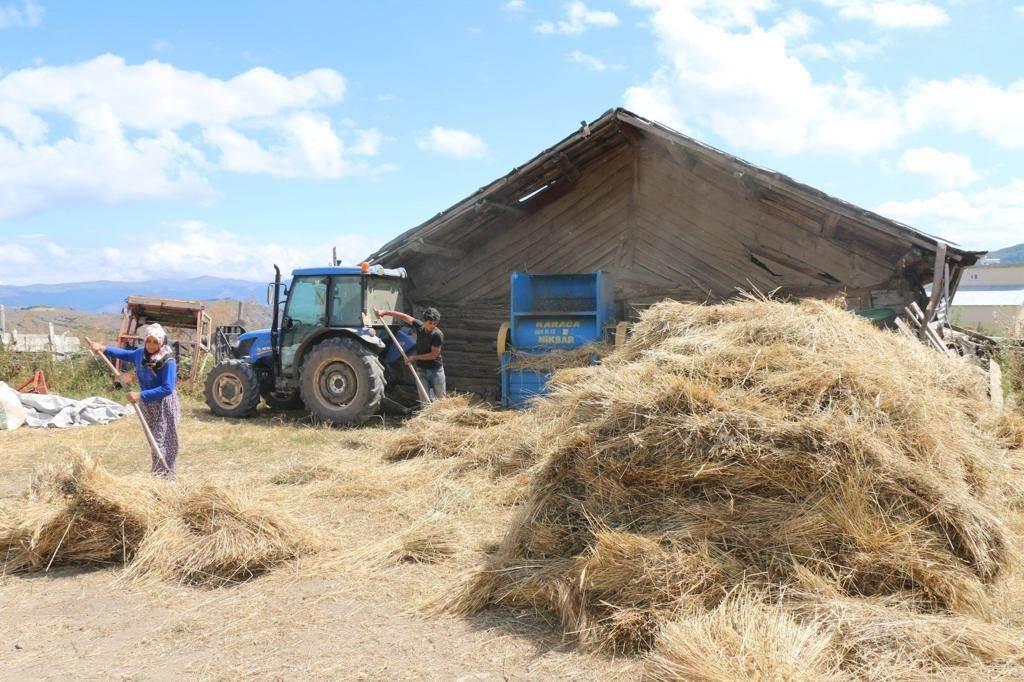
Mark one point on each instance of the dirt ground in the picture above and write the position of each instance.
(347, 612)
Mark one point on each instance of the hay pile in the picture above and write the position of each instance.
(81, 514)
(845, 483)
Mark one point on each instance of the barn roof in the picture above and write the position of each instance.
(564, 161)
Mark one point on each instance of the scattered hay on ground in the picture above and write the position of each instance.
(428, 541)
(793, 451)
(456, 427)
(301, 473)
(81, 514)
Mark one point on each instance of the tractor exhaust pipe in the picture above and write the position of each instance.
(275, 346)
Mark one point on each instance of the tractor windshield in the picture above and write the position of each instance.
(346, 301)
(383, 293)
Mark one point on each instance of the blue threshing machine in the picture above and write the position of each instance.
(550, 313)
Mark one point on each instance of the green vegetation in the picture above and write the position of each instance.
(73, 376)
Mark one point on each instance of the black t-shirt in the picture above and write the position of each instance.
(425, 342)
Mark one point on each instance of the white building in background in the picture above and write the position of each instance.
(990, 299)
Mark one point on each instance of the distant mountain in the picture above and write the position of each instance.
(1011, 255)
(107, 297)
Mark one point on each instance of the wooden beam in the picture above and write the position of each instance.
(937, 278)
(432, 249)
(774, 255)
(486, 204)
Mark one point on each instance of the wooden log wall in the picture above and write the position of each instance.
(666, 223)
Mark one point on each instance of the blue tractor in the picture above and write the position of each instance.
(325, 354)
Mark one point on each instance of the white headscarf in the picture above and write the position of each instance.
(159, 358)
(155, 330)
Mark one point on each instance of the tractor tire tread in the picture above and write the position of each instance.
(250, 389)
(372, 369)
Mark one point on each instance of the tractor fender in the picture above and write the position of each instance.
(360, 334)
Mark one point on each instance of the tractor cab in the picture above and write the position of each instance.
(322, 350)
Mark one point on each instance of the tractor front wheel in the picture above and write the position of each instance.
(342, 381)
(232, 389)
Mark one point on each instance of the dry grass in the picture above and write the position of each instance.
(555, 360)
(504, 442)
(744, 638)
(428, 541)
(81, 514)
(287, 623)
(792, 451)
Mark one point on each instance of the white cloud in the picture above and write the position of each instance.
(795, 24)
(747, 88)
(970, 104)
(368, 142)
(1019, 9)
(145, 131)
(722, 72)
(986, 219)
(892, 14)
(514, 6)
(578, 18)
(589, 61)
(852, 50)
(26, 15)
(457, 143)
(101, 166)
(947, 170)
(187, 249)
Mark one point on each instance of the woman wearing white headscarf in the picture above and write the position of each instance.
(157, 373)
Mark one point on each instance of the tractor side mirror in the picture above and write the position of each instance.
(270, 293)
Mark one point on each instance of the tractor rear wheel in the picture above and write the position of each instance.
(342, 381)
(232, 389)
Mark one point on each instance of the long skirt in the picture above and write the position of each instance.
(163, 416)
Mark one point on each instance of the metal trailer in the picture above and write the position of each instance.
(172, 314)
(550, 313)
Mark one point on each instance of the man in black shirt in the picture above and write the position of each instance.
(427, 355)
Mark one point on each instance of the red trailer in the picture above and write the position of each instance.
(194, 328)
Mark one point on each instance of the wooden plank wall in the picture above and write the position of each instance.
(578, 232)
(666, 224)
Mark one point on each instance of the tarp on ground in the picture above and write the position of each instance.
(60, 412)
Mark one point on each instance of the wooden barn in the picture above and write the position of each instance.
(668, 216)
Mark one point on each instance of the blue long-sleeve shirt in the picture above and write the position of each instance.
(155, 385)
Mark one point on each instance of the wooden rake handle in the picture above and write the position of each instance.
(137, 407)
(424, 396)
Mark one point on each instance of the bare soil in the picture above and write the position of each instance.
(346, 612)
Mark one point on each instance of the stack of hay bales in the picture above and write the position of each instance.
(81, 514)
(783, 482)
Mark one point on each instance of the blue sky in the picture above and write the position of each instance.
(154, 139)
